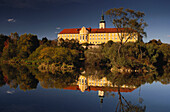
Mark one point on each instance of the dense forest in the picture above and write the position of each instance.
(139, 56)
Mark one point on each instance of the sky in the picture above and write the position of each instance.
(46, 18)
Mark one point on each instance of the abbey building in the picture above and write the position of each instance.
(96, 35)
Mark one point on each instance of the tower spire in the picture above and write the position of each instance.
(102, 23)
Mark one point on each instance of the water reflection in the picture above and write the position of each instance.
(106, 84)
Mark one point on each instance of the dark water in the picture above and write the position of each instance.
(25, 89)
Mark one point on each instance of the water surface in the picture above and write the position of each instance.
(24, 89)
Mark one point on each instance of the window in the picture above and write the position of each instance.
(112, 37)
(93, 38)
(101, 38)
(98, 38)
(90, 38)
(85, 81)
(82, 81)
(131, 37)
(104, 38)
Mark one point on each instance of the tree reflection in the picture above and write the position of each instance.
(27, 78)
(2, 81)
(124, 106)
(19, 75)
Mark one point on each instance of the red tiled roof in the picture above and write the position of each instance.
(70, 31)
(92, 88)
(95, 30)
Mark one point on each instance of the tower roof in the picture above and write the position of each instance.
(102, 18)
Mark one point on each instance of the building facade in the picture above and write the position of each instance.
(97, 35)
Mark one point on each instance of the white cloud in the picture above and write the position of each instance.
(58, 28)
(11, 20)
(10, 92)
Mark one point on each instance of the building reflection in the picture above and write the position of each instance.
(93, 83)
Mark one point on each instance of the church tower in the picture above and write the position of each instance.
(102, 23)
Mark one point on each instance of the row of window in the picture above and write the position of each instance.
(96, 42)
(96, 84)
(96, 80)
(104, 34)
(96, 38)
(74, 35)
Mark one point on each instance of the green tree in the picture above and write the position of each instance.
(127, 22)
(26, 45)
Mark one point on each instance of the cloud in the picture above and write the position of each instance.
(57, 32)
(58, 28)
(11, 20)
(10, 92)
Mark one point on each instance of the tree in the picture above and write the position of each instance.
(3, 38)
(128, 23)
(27, 44)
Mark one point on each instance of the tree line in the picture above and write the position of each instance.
(28, 49)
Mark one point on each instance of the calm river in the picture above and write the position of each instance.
(25, 89)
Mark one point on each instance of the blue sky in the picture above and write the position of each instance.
(47, 17)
